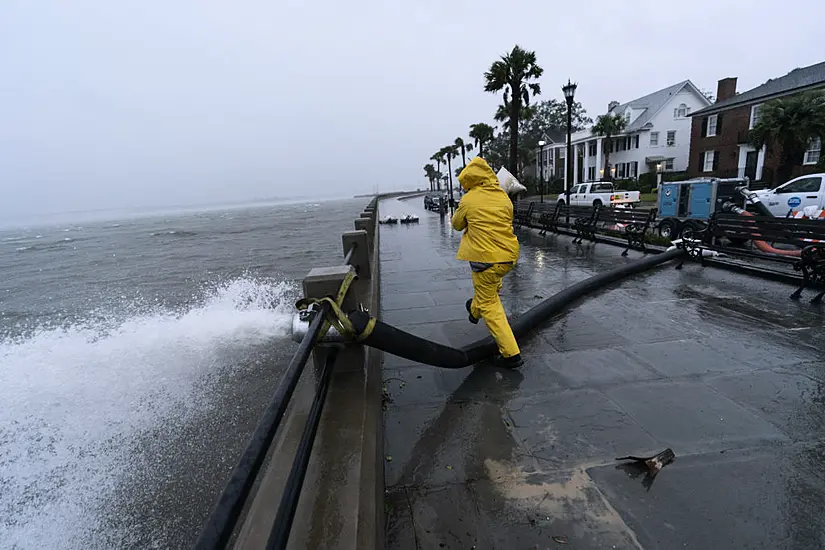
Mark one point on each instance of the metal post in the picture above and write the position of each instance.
(569, 158)
(541, 183)
(569, 90)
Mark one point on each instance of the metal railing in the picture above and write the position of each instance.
(224, 517)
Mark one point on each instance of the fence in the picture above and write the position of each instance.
(261, 528)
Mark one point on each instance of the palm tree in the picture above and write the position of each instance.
(459, 144)
(451, 152)
(512, 73)
(607, 126)
(429, 171)
(791, 123)
(438, 177)
(482, 133)
(438, 157)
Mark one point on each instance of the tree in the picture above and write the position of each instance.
(438, 157)
(552, 115)
(608, 126)
(482, 133)
(498, 151)
(451, 152)
(429, 171)
(791, 123)
(460, 145)
(512, 75)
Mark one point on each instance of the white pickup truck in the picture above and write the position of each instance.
(599, 194)
(794, 195)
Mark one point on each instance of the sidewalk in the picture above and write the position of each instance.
(722, 368)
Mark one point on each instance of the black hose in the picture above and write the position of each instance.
(279, 535)
(406, 345)
(221, 523)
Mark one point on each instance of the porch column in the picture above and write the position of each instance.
(575, 164)
(599, 161)
(565, 170)
(760, 163)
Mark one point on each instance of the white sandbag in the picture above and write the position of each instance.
(508, 182)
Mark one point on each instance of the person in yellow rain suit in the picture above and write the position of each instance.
(485, 214)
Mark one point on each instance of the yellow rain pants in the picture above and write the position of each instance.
(487, 305)
(485, 214)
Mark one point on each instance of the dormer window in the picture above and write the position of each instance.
(627, 117)
(681, 111)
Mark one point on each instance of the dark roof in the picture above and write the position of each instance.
(555, 135)
(796, 80)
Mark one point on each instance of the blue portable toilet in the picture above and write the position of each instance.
(702, 199)
(669, 200)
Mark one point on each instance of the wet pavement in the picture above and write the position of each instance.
(720, 367)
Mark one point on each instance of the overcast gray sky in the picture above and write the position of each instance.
(149, 103)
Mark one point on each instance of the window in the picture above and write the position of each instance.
(562, 153)
(755, 115)
(709, 161)
(602, 188)
(711, 122)
(681, 111)
(591, 149)
(637, 141)
(627, 117)
(804, 185)
(671, 138)
(654, 139)
(669, 164)
(620, 170)
(591, 173)
(813, 152)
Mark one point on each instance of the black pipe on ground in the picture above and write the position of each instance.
(403, 344)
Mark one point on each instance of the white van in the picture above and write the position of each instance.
(795, 195)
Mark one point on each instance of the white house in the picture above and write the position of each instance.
(657, 136)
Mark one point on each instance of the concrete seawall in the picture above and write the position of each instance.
(341, 503)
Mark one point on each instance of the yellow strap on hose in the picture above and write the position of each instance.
(336, 316)
(367, 329)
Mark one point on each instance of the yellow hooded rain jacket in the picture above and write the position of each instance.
(486, 212)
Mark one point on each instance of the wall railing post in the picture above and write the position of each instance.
(325, 281)
(368, 225)
(361, 255)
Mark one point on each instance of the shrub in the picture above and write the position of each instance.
(675, 176)
(555, 187)
(647, 181)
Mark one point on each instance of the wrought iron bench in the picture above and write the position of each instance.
(521, 213)
(808, 235)
(541, 216)
(584, 220)
(632, 223)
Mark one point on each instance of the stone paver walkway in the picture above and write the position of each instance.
(720, 367)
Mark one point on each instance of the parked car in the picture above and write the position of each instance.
(794, 195)
(600, 194)
(434, 201)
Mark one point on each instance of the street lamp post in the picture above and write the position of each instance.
(569, 90)
(542, 143)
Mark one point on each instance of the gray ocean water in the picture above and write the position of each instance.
(136, 356)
